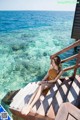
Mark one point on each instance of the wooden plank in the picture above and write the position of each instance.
(62, 113)
(74, 92)
(77, 15)
(76, 31)
(16, 98)
(27, 95)
(59, 98)
(9, 97)
(78, 6)
(71, 67)
(76, 24)
(77, 34)
(78, 9)
(30, 116)
(78, 12)
(23, 96)
(67, 109)
(69, 58)
(76, 37)
(39, 117)
(76, 27)
(18, 114)
(71, 117)
(77, 19)
(19, 95)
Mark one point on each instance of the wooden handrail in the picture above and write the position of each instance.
(71, 67)
(69, 58)
(77, 62)
(66, 49)
(77, 65)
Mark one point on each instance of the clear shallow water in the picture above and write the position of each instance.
(27, 39)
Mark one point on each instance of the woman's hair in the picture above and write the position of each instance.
(57, 61)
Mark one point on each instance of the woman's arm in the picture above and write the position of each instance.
(58, 76)
(45, 77)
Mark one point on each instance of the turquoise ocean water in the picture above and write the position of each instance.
(27, 39)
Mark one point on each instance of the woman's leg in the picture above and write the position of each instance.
(41, 88)
(32, 97)
(27, 108)
(30, 101)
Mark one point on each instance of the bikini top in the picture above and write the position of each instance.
(52, 74)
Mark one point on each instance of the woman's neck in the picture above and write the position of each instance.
(55, 67)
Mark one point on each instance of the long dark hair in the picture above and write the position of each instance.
(57, 61)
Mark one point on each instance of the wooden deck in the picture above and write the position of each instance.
(67, 92)
(70, 113)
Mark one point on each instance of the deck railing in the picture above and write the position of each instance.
(77, 56)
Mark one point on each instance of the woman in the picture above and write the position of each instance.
(45, 84)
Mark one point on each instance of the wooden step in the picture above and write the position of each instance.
(23, 96)
(59, 98)
(31, 116)
(9, 97)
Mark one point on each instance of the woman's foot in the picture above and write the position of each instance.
(26, 110)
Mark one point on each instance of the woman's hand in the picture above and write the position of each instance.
(42, 82)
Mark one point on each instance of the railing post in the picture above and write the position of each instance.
(75, 48)
(77, 62)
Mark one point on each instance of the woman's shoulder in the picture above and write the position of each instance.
(51, 67)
